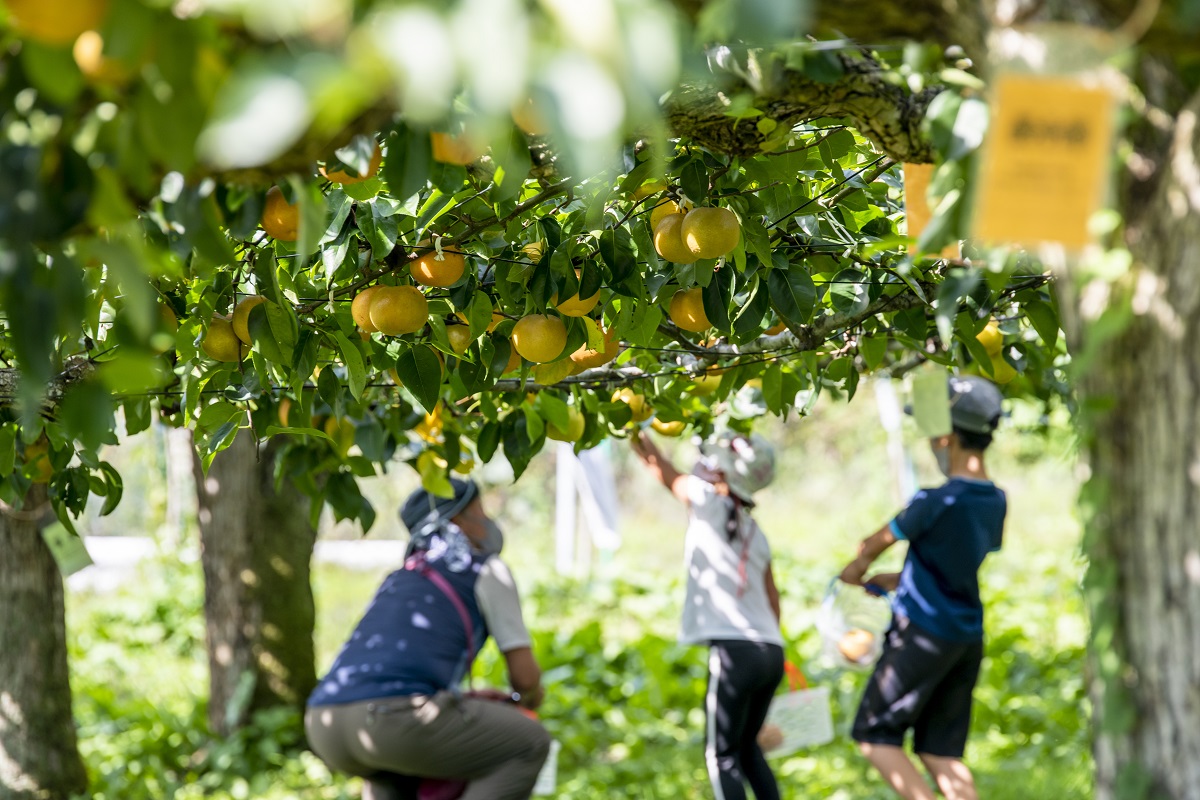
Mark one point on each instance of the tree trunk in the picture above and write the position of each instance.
(39, 758)
(1140, 398)
(256, 549)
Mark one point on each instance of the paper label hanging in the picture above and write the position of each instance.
(68, 550)
(931, 403)
(1045, 162)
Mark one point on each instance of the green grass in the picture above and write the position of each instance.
(623, 697)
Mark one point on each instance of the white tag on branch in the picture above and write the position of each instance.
(931, 402)
(437, 245)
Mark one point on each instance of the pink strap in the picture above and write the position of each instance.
(417, 563)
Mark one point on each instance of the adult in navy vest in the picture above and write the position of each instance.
(391, 707)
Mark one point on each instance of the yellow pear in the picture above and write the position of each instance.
(710, 232)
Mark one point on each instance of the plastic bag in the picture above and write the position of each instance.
(852, 623)
(798, 719)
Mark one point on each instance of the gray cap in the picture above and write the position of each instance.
(975, 404)
(422, 507)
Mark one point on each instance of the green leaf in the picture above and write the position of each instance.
(132, 371)
(554, 410)
(340, 206)
(479, 314)
(8, 449)
(329, 388)
(978, 352)
(753, 309)
(756, 239)
(552, 231)
(313, 216)
(502, 350)
(114, 486)
(957, 285)
(266, 280)
(873, 349)
(822, 66)
(848, 291)
(912, 323)
(716, 298)
(616, 249)
(590, 279)
(216, 414)
(284, 327)
(421, 373)
(1044, 319)
(380, 231)
(52, 70)
(534, 426)
(694, 180)
(434, 478)
(518, 447)
(275, 430)
(87, 413)
(772, 388)
(346, 500)
(488, 441)
(220, 439)
(355, 369)
(262, 337)
(793, 293)
(409, 156)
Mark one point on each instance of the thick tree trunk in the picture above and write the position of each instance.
(256, 549)
(39, 758)
(1140, 393)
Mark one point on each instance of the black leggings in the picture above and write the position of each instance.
(742, 677)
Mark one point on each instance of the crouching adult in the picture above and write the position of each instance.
(391, 708)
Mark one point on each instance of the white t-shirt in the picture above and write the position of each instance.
(713, 606)
(496, 593)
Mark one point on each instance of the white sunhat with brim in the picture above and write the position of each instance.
(746, 462)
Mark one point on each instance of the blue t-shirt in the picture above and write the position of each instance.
(950, 530)
(411, 640)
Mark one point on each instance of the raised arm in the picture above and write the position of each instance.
(659, 466)
(868, 550)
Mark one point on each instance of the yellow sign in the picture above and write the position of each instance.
(1046, 161)
(916, 206)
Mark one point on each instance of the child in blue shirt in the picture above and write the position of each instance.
(932, 652)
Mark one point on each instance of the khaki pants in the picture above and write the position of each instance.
(492, 745)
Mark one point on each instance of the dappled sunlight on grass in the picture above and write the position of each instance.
(623, 698)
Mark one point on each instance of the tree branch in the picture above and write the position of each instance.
(76, 370)
(886, 113)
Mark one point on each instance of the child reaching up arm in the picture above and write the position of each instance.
(731, 604)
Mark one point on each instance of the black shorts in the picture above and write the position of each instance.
(922, 682)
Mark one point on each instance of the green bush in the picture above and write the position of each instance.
(623, 698)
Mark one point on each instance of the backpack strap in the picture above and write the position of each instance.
(417, 563)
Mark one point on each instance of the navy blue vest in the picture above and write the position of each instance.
(411, 640)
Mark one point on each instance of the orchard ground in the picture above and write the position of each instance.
(623, 698)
